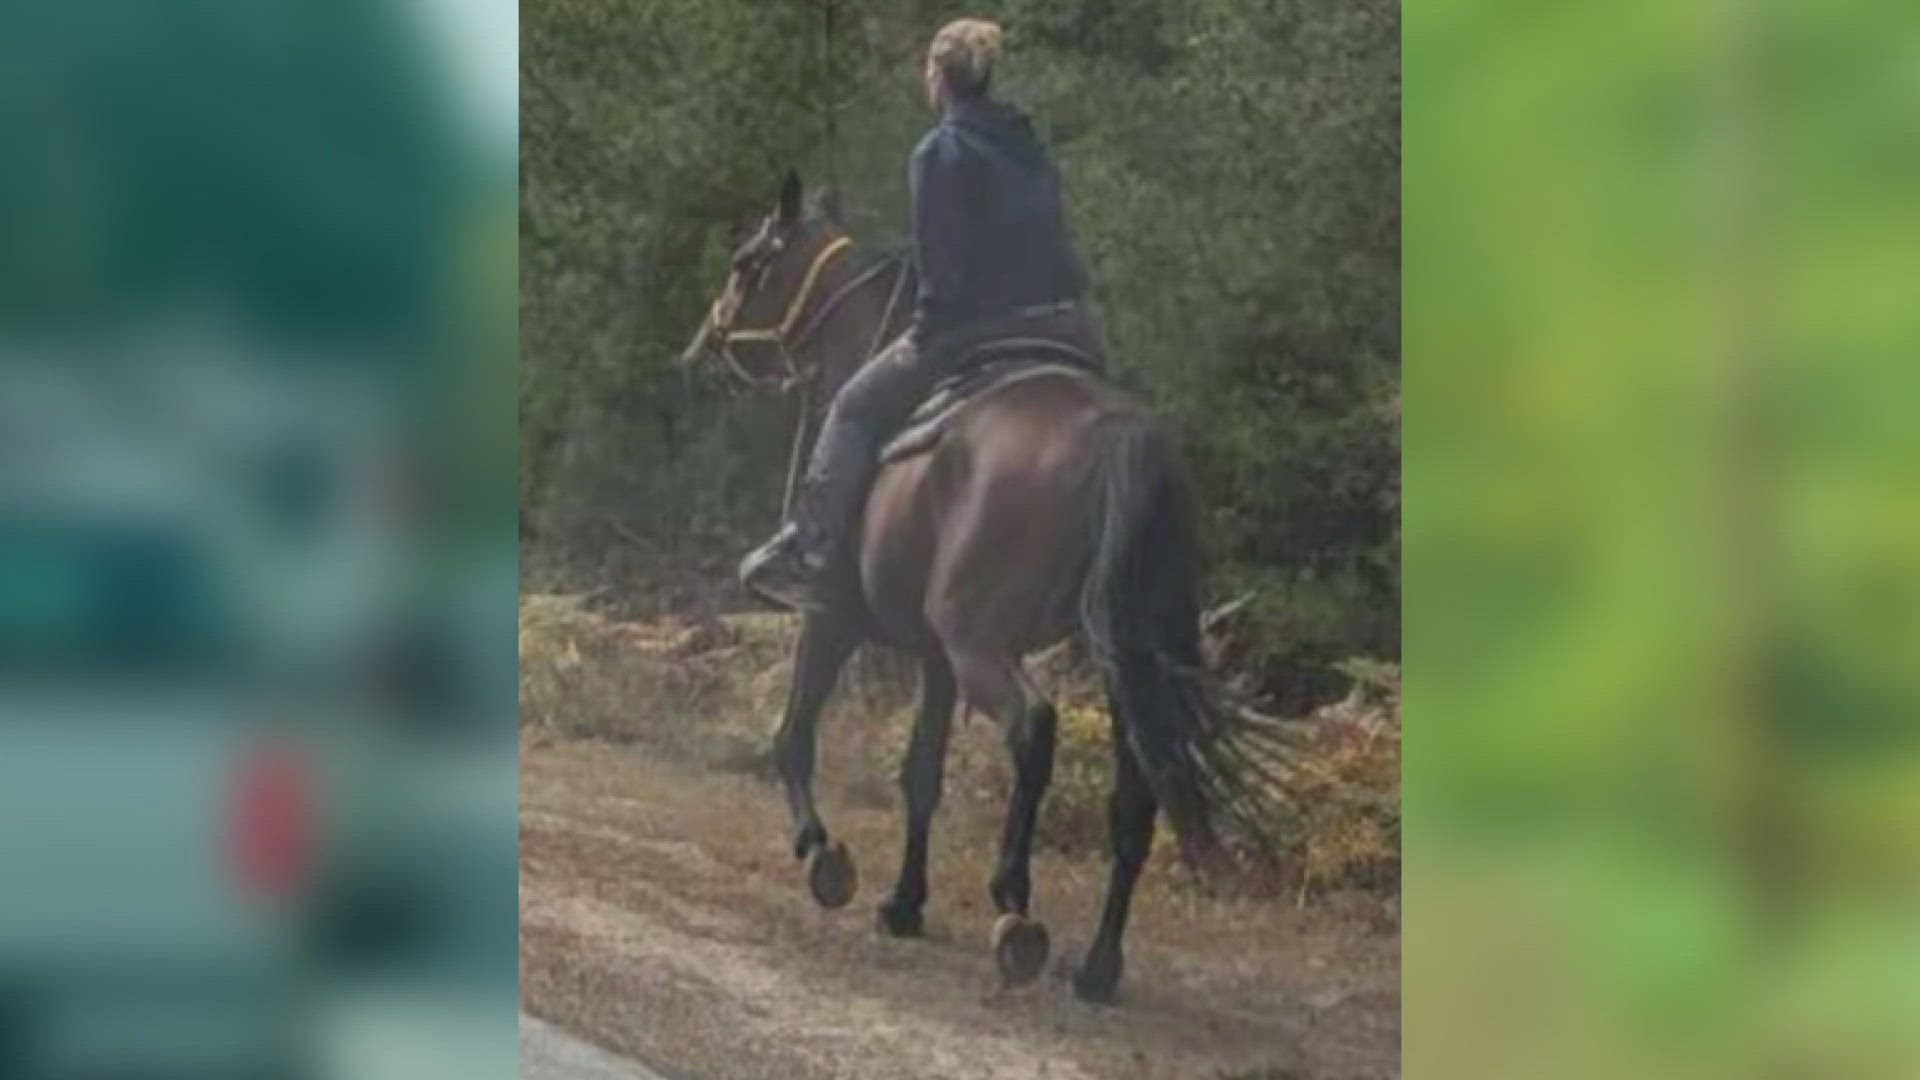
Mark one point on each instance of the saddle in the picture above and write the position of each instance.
(985, 368)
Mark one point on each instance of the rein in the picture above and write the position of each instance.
(893, 301)
(798, 325)
(804, 421)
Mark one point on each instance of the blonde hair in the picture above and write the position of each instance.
(963, 52)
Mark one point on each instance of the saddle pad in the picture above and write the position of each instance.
(930, 421)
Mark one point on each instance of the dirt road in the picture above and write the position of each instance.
(548, 1053)
(662, 917)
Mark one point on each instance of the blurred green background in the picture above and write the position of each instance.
(257, 565)
(1662, 539)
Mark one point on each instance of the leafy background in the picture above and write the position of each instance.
(1663, 555)
(1233, 177)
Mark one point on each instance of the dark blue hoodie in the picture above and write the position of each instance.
(989, 228)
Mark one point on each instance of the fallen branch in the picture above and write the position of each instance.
(1213, 618)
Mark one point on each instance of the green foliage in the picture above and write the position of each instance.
(1233, 175)
(1664, 788)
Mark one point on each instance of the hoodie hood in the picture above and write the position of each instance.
(1002, 126)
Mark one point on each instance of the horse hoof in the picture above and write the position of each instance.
(831, 876)
(1019, 948)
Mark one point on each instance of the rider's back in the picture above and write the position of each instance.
(990, 221)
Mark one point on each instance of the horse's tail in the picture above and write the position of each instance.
(1208, 766)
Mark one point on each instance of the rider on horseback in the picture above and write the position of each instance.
(994, 261)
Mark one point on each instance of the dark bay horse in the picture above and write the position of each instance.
(1049, 505)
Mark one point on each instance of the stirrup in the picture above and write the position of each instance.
(780, 572)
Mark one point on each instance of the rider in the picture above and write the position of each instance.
(994, 261)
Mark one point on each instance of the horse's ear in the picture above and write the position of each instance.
(826, 203)
(790, 198)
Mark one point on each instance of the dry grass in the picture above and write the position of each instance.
(699, 691)
(709, 693)
(1346, 786)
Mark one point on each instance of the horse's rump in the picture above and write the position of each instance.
(990, 493)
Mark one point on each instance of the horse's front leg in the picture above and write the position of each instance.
(825, 644)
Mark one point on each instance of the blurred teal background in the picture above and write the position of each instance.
(1662, 539)
(257, 549)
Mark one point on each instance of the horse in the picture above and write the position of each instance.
(1049, 504)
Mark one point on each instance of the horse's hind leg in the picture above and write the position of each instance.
(997, 685)
(1030, 741)
(1130, 813)
(825, 644)
(920, 780)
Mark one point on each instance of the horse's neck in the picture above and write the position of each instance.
(854, 333)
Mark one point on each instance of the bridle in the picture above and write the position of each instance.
(791, 334)
(796, 328)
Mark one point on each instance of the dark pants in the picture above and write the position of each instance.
(873, 405)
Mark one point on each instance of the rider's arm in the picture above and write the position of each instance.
(938, 228)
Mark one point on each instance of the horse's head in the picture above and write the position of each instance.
(760, 320)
